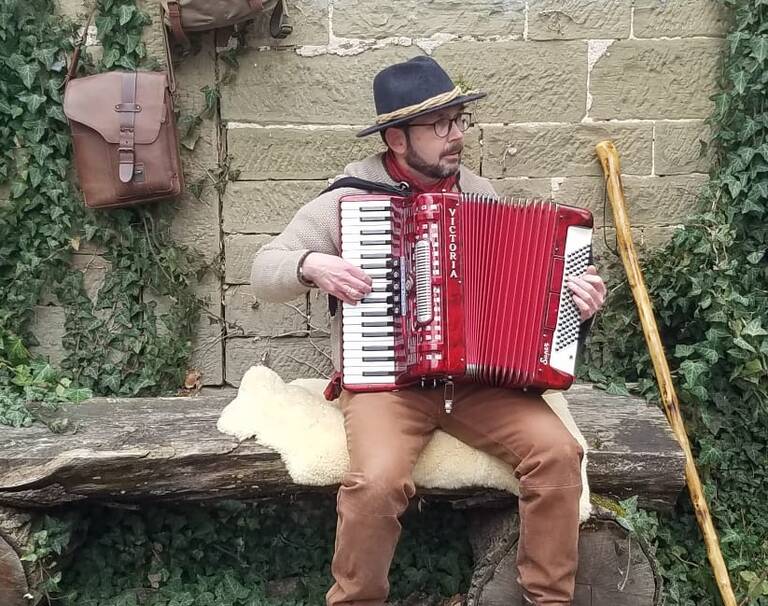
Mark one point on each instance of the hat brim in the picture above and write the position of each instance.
(457, 101)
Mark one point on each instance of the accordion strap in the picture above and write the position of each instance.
(400, 189)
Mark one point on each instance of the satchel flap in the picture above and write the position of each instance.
(92, 101)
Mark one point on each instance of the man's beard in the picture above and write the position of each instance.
(433, 171)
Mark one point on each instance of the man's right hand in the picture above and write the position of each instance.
(336, 277)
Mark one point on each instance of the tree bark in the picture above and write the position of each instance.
(14, 535)
(615, 568)
(168, 449)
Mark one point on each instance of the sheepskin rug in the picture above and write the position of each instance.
(295, 420)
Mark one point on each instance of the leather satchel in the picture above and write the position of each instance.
(124, 136)
(183, 16)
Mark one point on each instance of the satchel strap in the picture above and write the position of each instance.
(78, 48)
(169, 60)
(128, 108)
(174, 18)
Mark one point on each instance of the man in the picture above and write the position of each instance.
(422, 119)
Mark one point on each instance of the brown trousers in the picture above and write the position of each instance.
(386, 431)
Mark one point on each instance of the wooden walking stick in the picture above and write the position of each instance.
(609, 159)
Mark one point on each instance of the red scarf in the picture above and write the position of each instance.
(399, 174)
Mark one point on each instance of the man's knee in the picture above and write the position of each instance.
(553, 460)
(380, 490)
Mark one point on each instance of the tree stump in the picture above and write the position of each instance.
(14, 533)
(614, 568)
(23, 583)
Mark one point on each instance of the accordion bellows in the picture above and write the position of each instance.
(466, 288)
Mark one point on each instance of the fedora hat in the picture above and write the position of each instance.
(415, 87)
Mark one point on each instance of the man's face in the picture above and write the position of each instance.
(433, 156)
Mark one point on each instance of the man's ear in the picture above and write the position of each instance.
(396, 140)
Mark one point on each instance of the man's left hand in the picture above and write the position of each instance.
(588, 292)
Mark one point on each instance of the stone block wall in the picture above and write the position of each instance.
(561, 76)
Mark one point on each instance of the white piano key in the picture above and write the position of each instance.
(366, 239)
(355, 379)
(356, 248)
(358, 353)
(364, 256)
(355, 230)
(382, 312)
(359, 204)
(357, 319)
(358, 338)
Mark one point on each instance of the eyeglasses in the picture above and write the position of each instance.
(443, 126)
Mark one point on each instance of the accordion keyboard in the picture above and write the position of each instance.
(369, 326)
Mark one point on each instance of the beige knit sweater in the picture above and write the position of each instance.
(315, 228)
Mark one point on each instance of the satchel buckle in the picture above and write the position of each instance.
(126, 154)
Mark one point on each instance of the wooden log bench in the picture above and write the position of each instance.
(151, 450)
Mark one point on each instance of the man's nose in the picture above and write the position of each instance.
(455, 134)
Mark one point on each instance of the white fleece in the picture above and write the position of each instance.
(295, 420)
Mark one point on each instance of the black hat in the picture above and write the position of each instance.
(405, 90)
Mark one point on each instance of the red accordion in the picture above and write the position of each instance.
(466, 288)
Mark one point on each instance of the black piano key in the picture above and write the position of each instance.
(375, 256)
(375, 242)
(387, 288)
(374, 209)
(387, 276)
(377, 348)
(385, 265)
(374, 219)
(376, 324)
(388, 300)
(378, 359)
(377, 314)
(375, 232)
(388, 333)
(377, 373)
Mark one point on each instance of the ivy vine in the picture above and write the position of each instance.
(121, 343)
(264, 554)
(710, 287)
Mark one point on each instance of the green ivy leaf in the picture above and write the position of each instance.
(742, 344)
(132, 42)
(35, 176)
(740, 80)
(18, 188)
(76, 395)
(756, 256)
(15, 351)
(759, 46)
(125, 12)
(754, 328)
(28, 72)
(692, 370)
